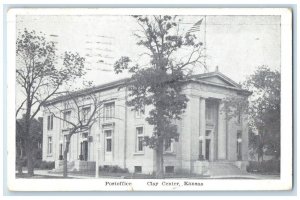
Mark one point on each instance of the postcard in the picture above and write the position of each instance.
(149, 99)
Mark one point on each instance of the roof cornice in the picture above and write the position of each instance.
(240, 90)
(118, 83)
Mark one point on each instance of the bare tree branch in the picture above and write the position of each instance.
(20, 107)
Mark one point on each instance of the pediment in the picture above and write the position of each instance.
(219, 79)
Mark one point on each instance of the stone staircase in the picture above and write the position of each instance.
(224, 169)
(75, 166)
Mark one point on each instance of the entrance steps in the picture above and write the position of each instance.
(59, 166)
(76, 165)
(224, 168)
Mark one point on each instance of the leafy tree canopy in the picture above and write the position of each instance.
(39, 78)
(160, 82)
(265, 107)
(262, 109)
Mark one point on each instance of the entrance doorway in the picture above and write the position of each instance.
(85, 150)
(239, 146)
(207, 149)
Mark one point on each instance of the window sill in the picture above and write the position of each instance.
(108, 120)
(110, 123)
(171, 153)
(140, 117)
(209, 123)
(138, 153)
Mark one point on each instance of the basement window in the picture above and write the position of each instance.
(169, 169)
(137, 169)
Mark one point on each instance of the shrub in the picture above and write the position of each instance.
(39, 154)
(112, 169)
(44, 164)
(21, 161)
(267, 166)
(37, 163)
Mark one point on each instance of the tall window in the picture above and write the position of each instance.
(200, 150)
(169, 145)
(108, 140)
(49, 150)
(60, 149)
(139, 139)
(239, 117)
(66, 117)
(86, 114)
(50, 122)
(239, 145)
(109, 110)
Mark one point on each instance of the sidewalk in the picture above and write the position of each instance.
(47, 173)
(263, 176)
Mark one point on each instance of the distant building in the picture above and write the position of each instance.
(206, 138)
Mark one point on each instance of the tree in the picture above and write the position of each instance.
(35, 135)
(160, 83)
(265, 109)
(39, 79)
(255, 145)
(235, 107)
(85, 109)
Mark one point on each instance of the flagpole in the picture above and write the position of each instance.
(196, 28)
(206, 68)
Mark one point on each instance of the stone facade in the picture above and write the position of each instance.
(205, 134)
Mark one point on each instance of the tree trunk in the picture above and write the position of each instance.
(27, 138)
(159, 161)
(20, 165)
(30, 166)
(28, 147)
(66, 151)
(263, 144)
(19, 157)
(20, 171)
(226, 135)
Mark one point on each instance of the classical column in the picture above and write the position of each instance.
(202, 125)
(212, 146)
(222, 137)
(194, 123)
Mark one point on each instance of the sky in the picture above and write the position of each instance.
(236, 44)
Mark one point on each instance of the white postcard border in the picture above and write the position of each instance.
(285, 181)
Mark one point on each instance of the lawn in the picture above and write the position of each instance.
(38, 176)
(126, 175)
